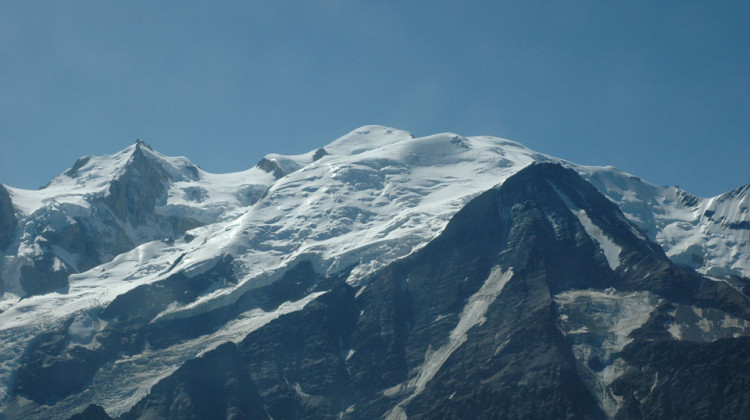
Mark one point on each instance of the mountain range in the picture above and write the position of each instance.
(378, 276)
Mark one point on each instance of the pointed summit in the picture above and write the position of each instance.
(92, 173)
(142, 178)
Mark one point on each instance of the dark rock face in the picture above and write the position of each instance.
(7, 219)
(134, 194)
(214, 386)
(92, 412)
(271, 167)
(297, 364)
(53, 369)
(690, 380)
(740, 225)
(41, 277)
(319, 154)
(80, 163)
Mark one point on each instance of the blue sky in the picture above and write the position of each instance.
(658, 89)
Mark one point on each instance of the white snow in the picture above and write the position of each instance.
(192, 194)
(693, 231)
(366, 138)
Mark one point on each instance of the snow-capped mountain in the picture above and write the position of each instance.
(104, 206)
(709, 234)
(380, 275)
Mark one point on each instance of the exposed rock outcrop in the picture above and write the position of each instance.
(7, 219)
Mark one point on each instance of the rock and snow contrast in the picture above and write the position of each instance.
(378, 276)
(710, 235)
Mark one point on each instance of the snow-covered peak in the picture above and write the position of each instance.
(99, 170)
(391, 143)
(358, 141)
(709, 234)
(366, 138)
(93, 175)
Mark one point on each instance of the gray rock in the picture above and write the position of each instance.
(7, 219)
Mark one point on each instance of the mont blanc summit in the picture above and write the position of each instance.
(377, 276)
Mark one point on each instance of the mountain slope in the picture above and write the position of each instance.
(352, 280)
(490, 319)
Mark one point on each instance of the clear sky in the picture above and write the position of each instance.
(660, 89)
